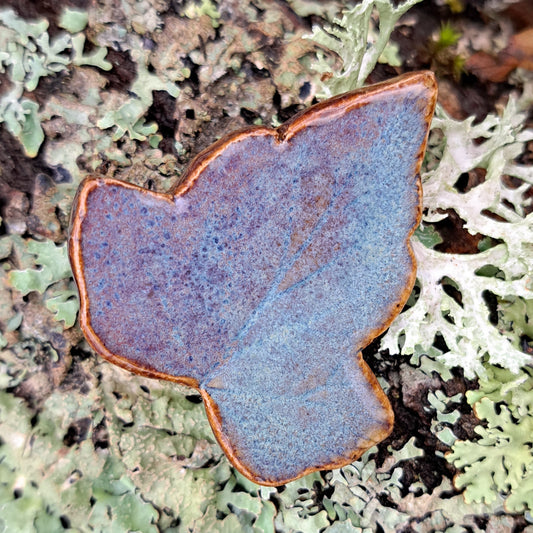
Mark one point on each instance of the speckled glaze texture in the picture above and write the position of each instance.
(260, 278)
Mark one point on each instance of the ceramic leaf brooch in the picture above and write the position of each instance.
(260, 278)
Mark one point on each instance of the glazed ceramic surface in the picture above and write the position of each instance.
(261, 277)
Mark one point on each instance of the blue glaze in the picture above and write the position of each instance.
(265, 280)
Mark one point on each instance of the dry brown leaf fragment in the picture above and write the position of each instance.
(521, 48)
(518, 54)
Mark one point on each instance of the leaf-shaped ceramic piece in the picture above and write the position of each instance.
(260, 278)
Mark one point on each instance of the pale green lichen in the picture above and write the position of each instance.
(129, 117)
(359, 487)
(358, 43)
(465, 325)
(22, 120)
(53, 263)
(327, 10)
(26, 51)
(53, 482)
(501, 460)
(51, 266)
(114, 452)
(445, 416)
(27, 55)
(73, 20)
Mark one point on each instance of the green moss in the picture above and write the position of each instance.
(448, 36)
